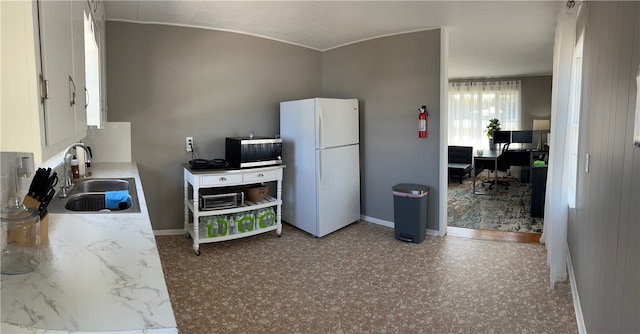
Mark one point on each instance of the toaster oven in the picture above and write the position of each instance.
(220, 198)
(253, 152)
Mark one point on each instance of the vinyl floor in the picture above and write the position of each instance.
(360, 279)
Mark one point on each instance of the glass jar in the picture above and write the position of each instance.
(20, 238)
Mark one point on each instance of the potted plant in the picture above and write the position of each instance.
(494, 125)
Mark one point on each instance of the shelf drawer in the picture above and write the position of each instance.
(217, 180)
(260, 176)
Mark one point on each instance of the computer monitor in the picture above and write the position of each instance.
(522, 137)
(501, 137)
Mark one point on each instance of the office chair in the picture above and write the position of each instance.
(503, 166)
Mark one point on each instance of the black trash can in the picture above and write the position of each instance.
(410, 203)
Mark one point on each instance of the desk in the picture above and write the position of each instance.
(489, 159)
(538, 190)
(522, 158)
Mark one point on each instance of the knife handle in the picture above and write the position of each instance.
(42, 209)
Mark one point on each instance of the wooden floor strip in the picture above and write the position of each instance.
(523, 237)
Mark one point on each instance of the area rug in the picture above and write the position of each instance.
(509, 210)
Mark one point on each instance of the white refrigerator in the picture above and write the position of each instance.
(321, 181)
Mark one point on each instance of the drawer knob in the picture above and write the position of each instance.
(222, 179)
(260, 175)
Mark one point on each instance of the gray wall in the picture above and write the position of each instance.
(172, 82)
(605, 229)
(536, 100)
(392, 77)
(536, 103)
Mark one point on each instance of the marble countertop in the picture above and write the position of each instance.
(99, 273)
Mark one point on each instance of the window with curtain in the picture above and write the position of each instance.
(473, 104)
(573, 122)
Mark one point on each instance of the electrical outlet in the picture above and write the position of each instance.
(189, 144)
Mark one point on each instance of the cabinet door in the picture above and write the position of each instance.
(101, 38)
(78, 11)
(103, 64)
(95, 67)
(56, 45)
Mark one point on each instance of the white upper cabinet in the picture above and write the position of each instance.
(78, 9)
(59, 93)
(97, 114)
(43, 61)
(102, 44)
(62, 72)
(22, 126)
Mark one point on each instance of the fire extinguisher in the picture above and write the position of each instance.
(422, 122)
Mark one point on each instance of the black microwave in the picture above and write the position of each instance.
(242, 152)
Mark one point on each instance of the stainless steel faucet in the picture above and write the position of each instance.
(66, 172)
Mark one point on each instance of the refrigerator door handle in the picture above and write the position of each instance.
(321, 163)
(320, 130)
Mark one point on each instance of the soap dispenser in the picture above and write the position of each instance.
(75, 168)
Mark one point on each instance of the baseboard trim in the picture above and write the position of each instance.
(582, 329)
(363, 217)
(391, 224)
(169, 232)
(433, 233)
(377, 221)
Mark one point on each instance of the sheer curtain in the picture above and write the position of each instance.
(556, 208)
(473, 104)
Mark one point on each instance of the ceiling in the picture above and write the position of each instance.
(486, 38)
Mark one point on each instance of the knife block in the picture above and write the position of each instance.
(44, 221)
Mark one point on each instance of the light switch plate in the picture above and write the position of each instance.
(586, 163)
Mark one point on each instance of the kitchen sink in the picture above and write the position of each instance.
(94, 201)
(101, 185)
(88, 196)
